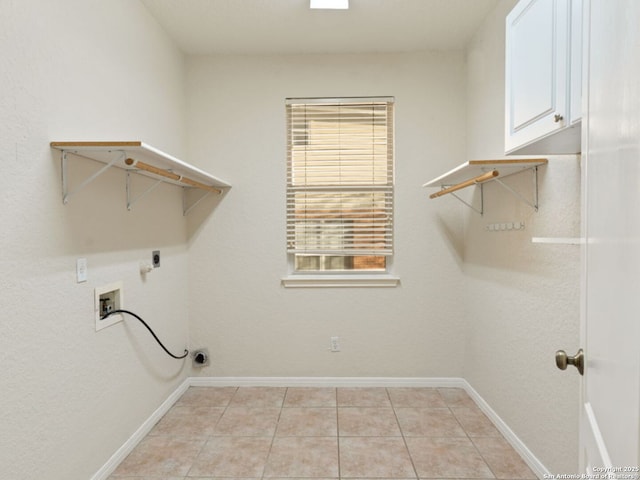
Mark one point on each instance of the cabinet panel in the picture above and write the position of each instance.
(542, 66)
(575, 87)
(533, 89)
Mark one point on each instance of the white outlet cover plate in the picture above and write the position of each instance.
(81, 270)
(111, 319)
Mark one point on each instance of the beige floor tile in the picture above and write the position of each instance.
(188, 421)
(308, 422)
(310, 397)
(363, 397)
(475, 423)
(456, 397)
(248, 421)
(428, 422)
(374, 457)
(207, 396)
(503, 460)
(161, 456)
(232, 457)
(303, 457)
(288, 434)
(416, 397)
(367, 421)
(447, 457)
(258, 397)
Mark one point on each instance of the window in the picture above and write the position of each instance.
(340, 184)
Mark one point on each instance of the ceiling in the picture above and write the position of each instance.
(202, 27)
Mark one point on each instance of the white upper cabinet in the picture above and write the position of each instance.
(543, 77)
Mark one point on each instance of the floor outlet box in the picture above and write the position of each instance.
(107, 299)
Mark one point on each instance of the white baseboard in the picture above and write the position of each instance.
(532, 461)
(326, 382)
(527, 455)
(120, 454)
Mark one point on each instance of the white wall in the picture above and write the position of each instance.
(83, 70)
(522, 299)
(253, 325)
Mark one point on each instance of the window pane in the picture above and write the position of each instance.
(339, 221)
(337, 263)
(340, 183)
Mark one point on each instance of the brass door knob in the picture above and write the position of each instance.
(562, 360)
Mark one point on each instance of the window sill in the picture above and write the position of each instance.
(340, 281)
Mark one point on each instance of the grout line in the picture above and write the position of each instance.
(404, 440)
(449, 406)
(472, 442)
(275, 431)
(466, 434)
(482, 457)
(208, 437)
(338, 434)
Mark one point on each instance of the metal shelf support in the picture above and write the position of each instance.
(66, 193)
(187, 206)
(130, 200)
(533, 204)
(477, 210)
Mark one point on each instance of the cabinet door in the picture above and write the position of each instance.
(575, 86)
(536, 65)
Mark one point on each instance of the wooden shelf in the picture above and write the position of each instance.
(106, 151)
(479, 172)
(475, 168)
(140, 158)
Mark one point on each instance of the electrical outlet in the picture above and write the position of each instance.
(155, 258)
(335, 344)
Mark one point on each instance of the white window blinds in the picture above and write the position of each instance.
(340, 176)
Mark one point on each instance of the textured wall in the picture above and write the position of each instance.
(522, 298)
(253, 325)
(92, 70)
(83, 70)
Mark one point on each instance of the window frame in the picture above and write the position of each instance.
(345, 278)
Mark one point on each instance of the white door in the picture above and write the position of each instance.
(610, 417)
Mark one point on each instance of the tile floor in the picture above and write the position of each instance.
(323, 433)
